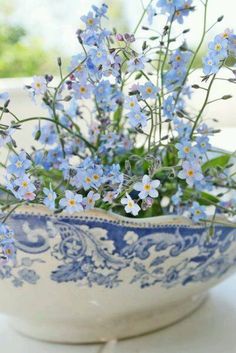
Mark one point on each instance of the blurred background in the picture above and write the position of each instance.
(33, 33)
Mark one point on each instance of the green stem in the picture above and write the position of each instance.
(195, 52)
(141, 18)
(203, 106)
(62, 126)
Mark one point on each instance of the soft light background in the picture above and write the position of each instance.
(50, 25)
(56, 21)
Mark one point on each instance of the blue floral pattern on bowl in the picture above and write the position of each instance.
(92, 251)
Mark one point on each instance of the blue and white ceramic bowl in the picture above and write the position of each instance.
(98, 276)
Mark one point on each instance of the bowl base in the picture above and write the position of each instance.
(120, 328)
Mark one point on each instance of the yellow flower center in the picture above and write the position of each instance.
(18, 164)
(190, 172)
(178, 58)
(79, 68)
(218, 47)
(186, 149)
(90, 21)
(96, 177)
(88, 180)
(82, 89)
(24, 184)
(90, 200)
(131, 104)
(38, 85)
(72, 202)
(197, 212)
(130, 204)
(149, 90)
(147, 187)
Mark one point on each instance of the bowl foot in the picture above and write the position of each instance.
(132, 325)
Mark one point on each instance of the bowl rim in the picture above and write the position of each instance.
(100, 214)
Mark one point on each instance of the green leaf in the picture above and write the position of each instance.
(220, 161)
(202, 197)
(117, 116)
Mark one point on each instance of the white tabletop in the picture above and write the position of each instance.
(211, 329)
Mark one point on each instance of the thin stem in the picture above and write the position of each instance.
(203, 106)
(196, 51)
(62, 126)
(141, 18)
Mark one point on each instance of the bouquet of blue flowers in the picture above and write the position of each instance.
(117, 133)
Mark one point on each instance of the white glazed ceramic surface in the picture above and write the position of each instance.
(96, 276)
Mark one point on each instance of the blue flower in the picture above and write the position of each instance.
(6, 244)
(25, 189)
(186, 150)
(79, 69)
(50, 198)
(98, 56)
(72, 202)
(148, 90)
(137, 119)
(191, 172)
(211, 64)
(131, 103)
(232, 44)
(169, 107)
(147, 187)
(218, 47)
(169, 5)
(9, 250)
(176, 198)
(100, 11)
(18, 164)
(103, 91)
(183, 129)
(179, 59)
(82, 90)
(90, 20)
(185, 7)
(48, 135)
(203, 144)
(136, 64)
(198, 212)
(151, 12)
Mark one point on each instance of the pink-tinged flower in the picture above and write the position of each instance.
(90, 200)
(29, 196)
(110, 196)
(147, 187)
(130, 206)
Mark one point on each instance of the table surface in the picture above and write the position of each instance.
(210, 329)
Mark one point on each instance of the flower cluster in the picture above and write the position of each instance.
(118, 133)
(220, 49)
